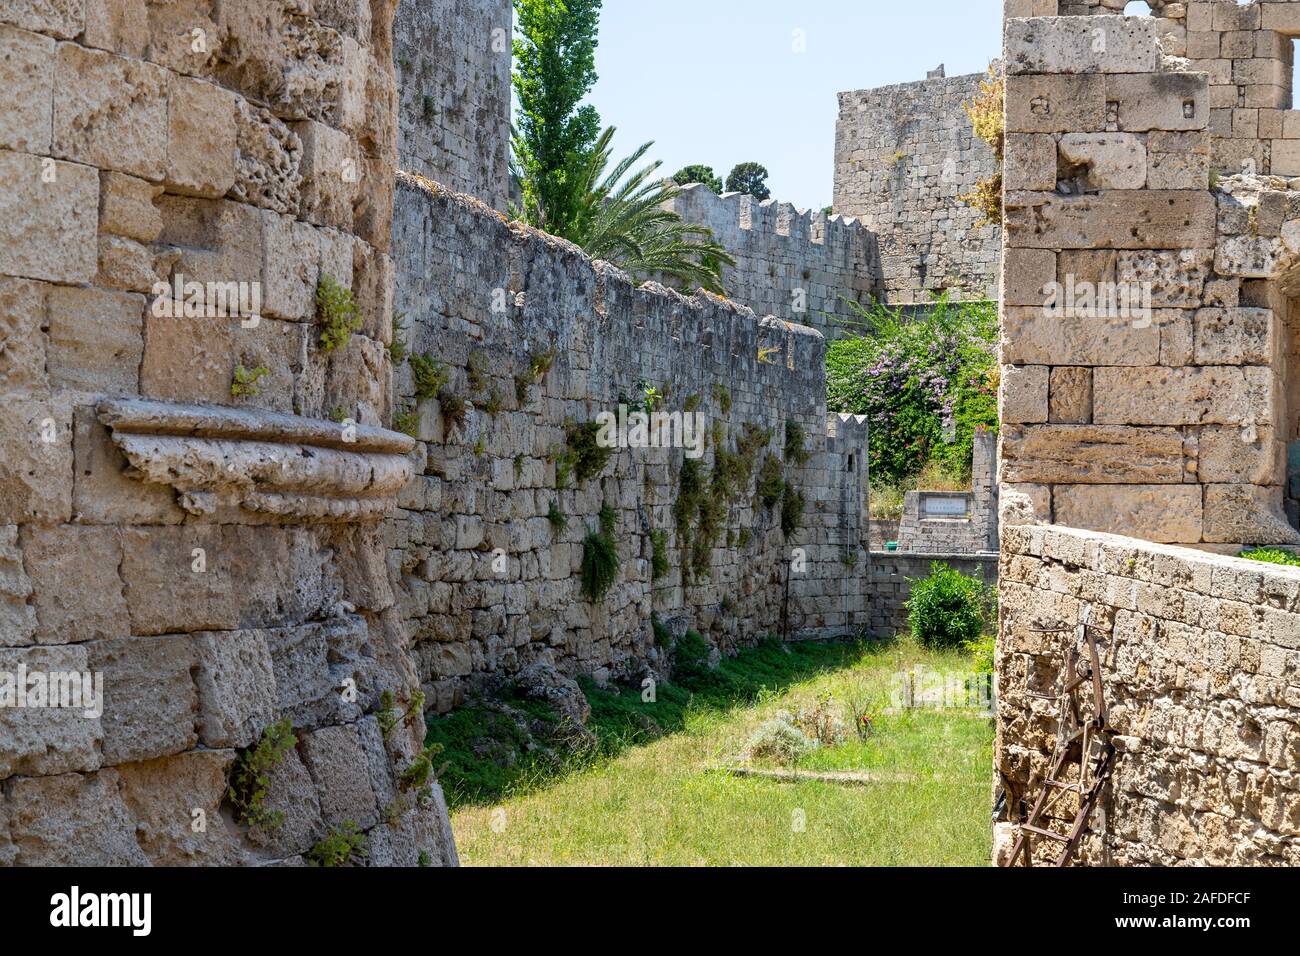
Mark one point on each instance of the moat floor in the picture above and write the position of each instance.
(916, 792)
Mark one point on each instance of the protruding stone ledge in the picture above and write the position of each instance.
(263, 463)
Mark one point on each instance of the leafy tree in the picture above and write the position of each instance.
(620, 218)
(698, 174)
(925, 385)
(555, 67)
(749, 178)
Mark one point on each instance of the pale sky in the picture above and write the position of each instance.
(720, 82)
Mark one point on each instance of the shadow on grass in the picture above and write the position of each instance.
(489, 755)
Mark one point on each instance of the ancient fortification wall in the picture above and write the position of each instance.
(791, 264)
(538, 341)
(453, 76)
(1169, 427)
(1200, 655)
(903, 154)
(219, 566)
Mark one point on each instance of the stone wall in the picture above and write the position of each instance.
(889, 584)
(903, 154)
(537, 340)
(1168, 424)
(935, 530)
(218, 565)
(791, 264)
(453, 72)
(1200, 659)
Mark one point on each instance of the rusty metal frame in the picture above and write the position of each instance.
(1089, 743)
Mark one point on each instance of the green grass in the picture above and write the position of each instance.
(651, 792)
(1273, 556)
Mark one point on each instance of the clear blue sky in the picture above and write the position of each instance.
(718, 81)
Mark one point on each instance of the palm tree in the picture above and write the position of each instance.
(620, 218)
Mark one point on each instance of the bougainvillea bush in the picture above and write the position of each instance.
(925, 384)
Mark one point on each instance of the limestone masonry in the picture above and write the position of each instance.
(799, 266)
(1149, 154)
(903, 156)
(488, 582)
(453, 75)
(217, 559)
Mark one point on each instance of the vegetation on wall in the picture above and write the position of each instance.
(250, 777)
(336, 312)
(987, 114)
(925, 385)
(600, 560)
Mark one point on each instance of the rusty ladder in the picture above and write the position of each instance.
(1085, 742)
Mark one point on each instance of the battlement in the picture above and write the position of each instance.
(791, 263)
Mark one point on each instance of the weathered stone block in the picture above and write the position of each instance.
(63, 19)
(150, 703)
(268, 164)
(47, 219)
(1071, 396)
(1160, 101)
(293, 796)
(1030, 162)
(1181, 396)
(38, 738)
(126, 266)
(162, 796)
(188, 359)
(201, 139)
(1176, 279)
(177, 580)
(72, 820)
(311, 663)
(1160, 513)
(1056, 104)
(110, 112)
(236, 687)
(290, 268)
(1037, 337)
(1104, 160)
(118, 26)
(1227, 457)
(1024, 395)
(1116, 219)
(27, 76)
(331, 172)
(78, 592)
(337, 763)
(96, 340)
(1027, 275)
(1247, 514)
(17, 615)
(1085, 454)
(22, 334)
(1235, 337)
(1065, 45)
(126, 207)
(101, 493)
(36, 462)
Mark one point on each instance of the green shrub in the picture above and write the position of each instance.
(336, 311)
(430, 375)
(250, 778)
(246, 379)
(771, 483)
(1272, 556)
(796, 451)
(556, 517)
(397, 350)
(792, 508)
(583, 457)
(779, 740)
(658, 554)
(339, 848)
(947, 609)
(406, 420)
(983, 651)
(600, 560)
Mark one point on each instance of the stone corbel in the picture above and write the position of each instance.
(261, 462)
